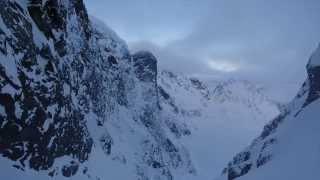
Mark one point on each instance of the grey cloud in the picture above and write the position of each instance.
(172, 60)
(270, 41)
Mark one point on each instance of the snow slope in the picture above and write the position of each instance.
(286, 149)
(213, 121)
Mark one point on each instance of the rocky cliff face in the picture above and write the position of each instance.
(40, 81)
(281, 140)
(73, 100)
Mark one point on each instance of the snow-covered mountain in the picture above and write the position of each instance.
(212, 120)
(287, 147)
(75, 103)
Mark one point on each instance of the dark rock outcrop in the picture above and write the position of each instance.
(145, 66)
(313, 70)
(40, 119)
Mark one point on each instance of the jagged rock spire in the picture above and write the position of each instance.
(145, 66)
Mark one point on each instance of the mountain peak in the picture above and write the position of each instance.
(314, 60)
(145, 64)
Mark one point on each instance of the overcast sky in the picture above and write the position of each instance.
(266, 41)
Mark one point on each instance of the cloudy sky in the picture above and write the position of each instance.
(268, 42)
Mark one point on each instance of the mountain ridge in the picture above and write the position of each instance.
(264, 149)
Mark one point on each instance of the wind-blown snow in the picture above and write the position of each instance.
(111, 38)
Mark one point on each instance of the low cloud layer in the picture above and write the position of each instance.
(263, 41)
